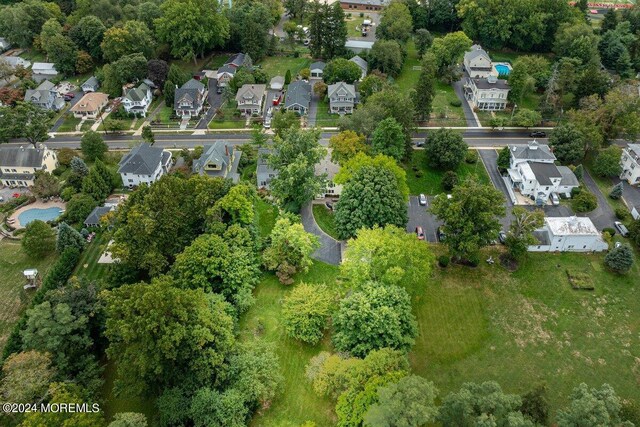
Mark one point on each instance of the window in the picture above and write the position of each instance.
(130, 180)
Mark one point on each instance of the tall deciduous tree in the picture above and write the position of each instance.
(26, 376)
(445, 149)
(45, 184)
(607, 162)
(386, 56)
(470, 216)
(389, 139)
(346, 145)
(305, 312)
(568, 143)
(520, 235)
(31, 122)
(88, 34)
(449, 50)
(38, 239)
(592, 407)
(395, 23)
(341, 70)
(372, 317)
(132, 37)
(161, 336)
(423, 40)
(191, 27)
(425, 88)
(360, 160)
(249, 28)
(370, 197)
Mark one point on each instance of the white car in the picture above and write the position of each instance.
(422, 199)
(555, 200)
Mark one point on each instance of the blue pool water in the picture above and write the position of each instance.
(502, 69)
(47, 214)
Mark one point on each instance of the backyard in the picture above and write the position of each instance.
(278, 65)
(88, 266)
(424, 179)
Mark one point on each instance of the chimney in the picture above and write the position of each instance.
(226, 150)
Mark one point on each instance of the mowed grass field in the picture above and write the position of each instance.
(430, 181)
(88, 266)
(13, 298)
(278, 65)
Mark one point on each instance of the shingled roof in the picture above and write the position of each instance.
(21, 157)
(141, 160)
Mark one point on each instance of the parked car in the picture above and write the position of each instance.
(267, 123)
(329, 205)
(69, 96)
(538, 134)
(420, 144)
(420, 233)
(502, 237)
(1, 199)
(423, 200)
(440, 234)
(219, 90)
(621, 229)
(555, 200)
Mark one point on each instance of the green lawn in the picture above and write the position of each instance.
(114, 405)
(409, 74)
(354, 22)
(88, 266)
(325, 220)
(430, 181)
(323, 117)
(296, 402)
(278, 65)
(217, 61)
(226, 119)
(69, 124)
(13, 298)
(530, 326)
(266, 215)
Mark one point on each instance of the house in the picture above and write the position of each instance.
(15, 61)
(189, 99)
(264, 172)
(533, 173)
(317, 68)
(357, 46)
(90, 105)
(144, 164)
(45, 96)
(298, 97)
(364, 66)
(18, 165)
(91, 85)
(630, 162)
(218, 160)
(137, 100)
(477, 62)
(239, 60)
(43, 71)
(363, 5)
(568, 234)
(93, 220)
(329, 169)
(277, 83)
(4, 44)
(225, 74)
(488, 93)
(342, 98)
(250, 98)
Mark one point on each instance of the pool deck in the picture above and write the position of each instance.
(38, 204)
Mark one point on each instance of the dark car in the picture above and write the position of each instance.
(440, 234)
(420, 144)
(219, 90)
(502, 237)
(538, 134)
(329, 205)
(69, 96)
(420, 233)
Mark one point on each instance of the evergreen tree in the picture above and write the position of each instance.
(317, 27)
(68, 237)
(610, 21)
(616, 191)
(620, 259)
(287, 77)
(425, 89)
(79, 167)
(336, 32)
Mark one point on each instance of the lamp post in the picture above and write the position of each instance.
(513, 111)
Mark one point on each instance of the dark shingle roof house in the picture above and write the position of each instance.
(239, 60)
(218, 160)
(143, 160)
(532, 151)
(91, 85)
(21, 157)
(298, 96)
(93, 220)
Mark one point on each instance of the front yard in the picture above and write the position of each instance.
(424, 179)
(323, 117)
(325, 220)
(69, 124)
(226, 118)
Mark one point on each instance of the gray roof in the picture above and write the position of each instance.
(263, 166)
(14, 61)
(634, 150)
(91, 82)
(299, 92)
(364, 66)
(237, 60)
(96, 214)
(532, 151)
(193, 84)
(216, 152)
(28, 157)
(277, 81)
(141, 160)
(482, 83)
(251, 91)
(358, 44)
(137, 94)
(476, 50)
(350, 89)
(191, 95)
(568, 177)
(227, 69)
(317, 65)
(544, 172)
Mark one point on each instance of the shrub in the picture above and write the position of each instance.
(609, 230)
(455, 103)
(575, 191)
(443, 261)
(623, 214)
(474, 260)
(361, 14)
(584, 202)
(449, 180)
(472, 157)
(620, 259)
(616, 191)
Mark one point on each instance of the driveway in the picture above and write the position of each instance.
(602, 216)
(79, 94)
(630, 194)
(215, 101)
(271, 95)
(490, 161)
(330, 248)
(313, 109)
(419, 217)
(375, 20)
(7, 193)
(470, 117)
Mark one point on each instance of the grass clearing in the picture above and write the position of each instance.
(225, 118)
(69, 124)
(430, 181)
(296, 402)
(278, 65)
(13, 261)
(266, 214)
(324, 218)
(323, 117)
(88, 266)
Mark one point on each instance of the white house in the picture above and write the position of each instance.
(342, 98)
(43, 71)
(568, 234)
(533, 173)
(137, 100)
(18, 165)
(144, 165)
(630, 162)
(250, 98)
(330, 169)
(4, 44)
(317, 69)
(477, 62)
(488, 93)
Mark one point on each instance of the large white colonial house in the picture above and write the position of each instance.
(330, 169)
(137, 100)
(477, 62)
(568, 234)
(488, 93)
(342, 98)
(18, 165)
(630, 162)
(533, 173)
(144, 165)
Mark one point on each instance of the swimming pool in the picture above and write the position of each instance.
(503, 69)
(32, 214)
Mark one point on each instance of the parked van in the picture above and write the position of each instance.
(621, 229)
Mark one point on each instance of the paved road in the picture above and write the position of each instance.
(419, 216)
(458, 88)
(329, 250)
(603, 215)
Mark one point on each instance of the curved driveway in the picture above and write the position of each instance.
(330, 248)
